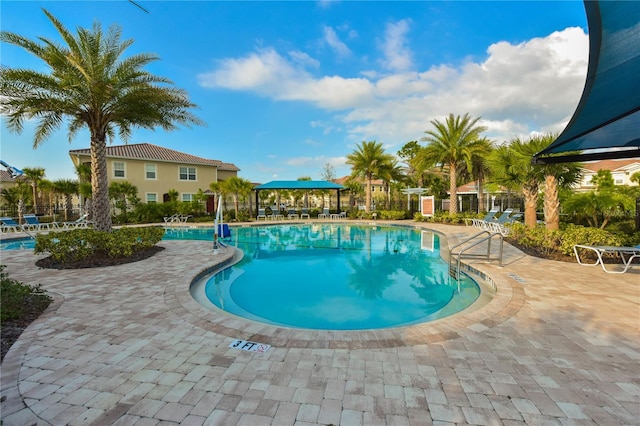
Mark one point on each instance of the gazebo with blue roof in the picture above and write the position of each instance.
(301, 185)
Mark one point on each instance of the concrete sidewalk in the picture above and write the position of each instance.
(127, 345)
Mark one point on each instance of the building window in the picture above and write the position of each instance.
(619, 182)
(187, 173)
(152, 197)
(118, 169)
(150, 171)
(187, 197)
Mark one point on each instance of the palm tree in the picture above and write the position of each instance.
(391, 172)
(561, 175)
(83, 171)
(238, 188)
(369, 161)
(452, 144)
(35, 176)
(123, 193)
(93, 87)
(68, 188)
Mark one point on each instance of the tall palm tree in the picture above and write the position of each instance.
(391, 172)
(68, 188)
(83, 171)
(561, 175)
(452, 144)
(34, 175)
(92, 86)
(511, 167)
(238, 188)
(368, 160)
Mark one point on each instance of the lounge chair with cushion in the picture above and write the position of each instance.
(291, 214)
(304, 213)
(261, 214)
(8, 224)
(481, 223)
(324, 214)
(34, 224)
(626, 254)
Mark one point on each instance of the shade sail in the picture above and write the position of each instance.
(606, 123)
(299, 184)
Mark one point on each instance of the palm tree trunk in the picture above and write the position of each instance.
(551, 203)
(367, 202)
(530, 201)
(481, 207)
(100, 193)
(453, 190)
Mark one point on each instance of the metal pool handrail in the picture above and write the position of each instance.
(487, 237)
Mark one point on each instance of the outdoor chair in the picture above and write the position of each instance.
(33, 224)
(626, 254)
(261, 214)
(275, 213)
(304, 213)
(324, 214)
(81, 222)
(8, 224)
(292, 214)
(481, 223)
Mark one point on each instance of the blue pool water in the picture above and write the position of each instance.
(337, 277)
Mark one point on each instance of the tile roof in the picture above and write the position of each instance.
(5, 176)
(147, 151)
(610, 165)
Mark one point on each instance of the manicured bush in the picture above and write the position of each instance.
(77, 244)
(393, 214)
(551, 243)
(445, 217)
(16, 298)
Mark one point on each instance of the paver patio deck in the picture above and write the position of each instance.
(127, 345)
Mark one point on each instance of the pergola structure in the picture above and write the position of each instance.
(300, 185)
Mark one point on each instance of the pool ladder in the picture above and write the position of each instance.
(455, 257)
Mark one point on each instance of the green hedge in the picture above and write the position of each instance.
(562, 241)
(17, 299)
(445, 217)
(77, 244)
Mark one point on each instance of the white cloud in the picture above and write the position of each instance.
(518, 88)
(397, 54)
(303, 59)
(331, 38)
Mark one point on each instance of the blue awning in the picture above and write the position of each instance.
(606, 123)
(299, 184)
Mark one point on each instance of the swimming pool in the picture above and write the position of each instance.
(334, 277)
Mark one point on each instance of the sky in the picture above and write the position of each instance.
(287, 89)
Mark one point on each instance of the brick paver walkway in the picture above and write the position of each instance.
(127, 345)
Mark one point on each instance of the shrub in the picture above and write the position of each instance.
(392, 214)
(17, 299)
(77, 244)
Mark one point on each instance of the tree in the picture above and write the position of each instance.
(34, 175)
(238, 188)
(391, 172)
(124, 194)
(68, 188)
(452, 144)
(92, 86)
(369, 161)
(83, 171)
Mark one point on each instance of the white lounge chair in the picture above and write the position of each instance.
(324, 214)
(304, 214)
(34, 224)
(81, 222)
(261, 214)
(291, 214)
(626, 254)
(8, 224)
